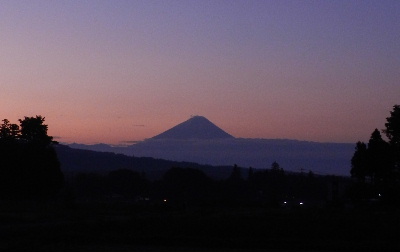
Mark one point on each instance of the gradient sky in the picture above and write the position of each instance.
(113, 71)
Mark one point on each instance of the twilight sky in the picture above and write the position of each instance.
(113, 71)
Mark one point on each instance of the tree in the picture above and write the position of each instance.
(250, 173)
(276, 168)
(311, 175)
(8, 131)
(379, 160)
(236, 175)
(34, 131)
(359, 162)
(392, 131)
(392, 125)
(29, 167)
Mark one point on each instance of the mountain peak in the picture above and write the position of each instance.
(197, 127)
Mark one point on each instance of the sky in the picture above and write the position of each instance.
(115, 71)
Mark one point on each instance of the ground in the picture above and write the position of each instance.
(130, 227)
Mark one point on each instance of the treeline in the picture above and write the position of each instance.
(29, 167)
(188, 186)
(376, 165)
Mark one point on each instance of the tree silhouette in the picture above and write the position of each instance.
(392, 131)
(8, 131)
(29, 166)
(277, 169)
(250, 173)
(236, 175)
(373, 161)
(393, 126)
(359, 162)
(379, 161)
(33, 130)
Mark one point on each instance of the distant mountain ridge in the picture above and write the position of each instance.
(198, 140)
(77, 160)
(197, 127)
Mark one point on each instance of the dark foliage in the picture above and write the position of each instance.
(359, 162)
(192, 187)
(88, 186)
(29, 166)
(236, 175)
(186, 185)
(127, 183)
(393, 126)
(376, 165)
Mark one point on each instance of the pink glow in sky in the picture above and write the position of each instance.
(113, 71)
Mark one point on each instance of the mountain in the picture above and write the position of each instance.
(199, 141)
(197, 127)
(75, 161)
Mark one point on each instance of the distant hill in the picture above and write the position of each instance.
(197, 127)
(86, 161)
(198, 140)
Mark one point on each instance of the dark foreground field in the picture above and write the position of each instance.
(128, 227)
